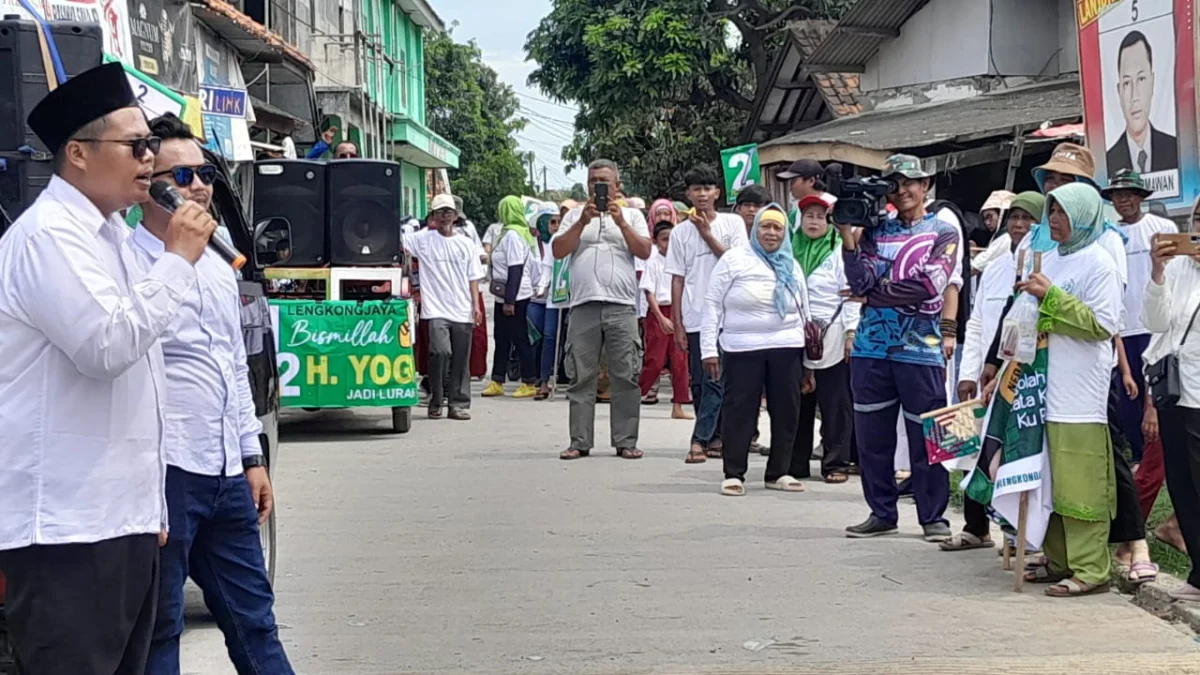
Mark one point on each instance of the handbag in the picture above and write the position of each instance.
(814, 334)
(1166, 386)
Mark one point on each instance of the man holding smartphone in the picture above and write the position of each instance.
(602, 239)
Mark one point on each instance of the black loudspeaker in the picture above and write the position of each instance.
(363, 211)
(294, 189)
(25, 166)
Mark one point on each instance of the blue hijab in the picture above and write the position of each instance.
(1039, 237)
(780, 260)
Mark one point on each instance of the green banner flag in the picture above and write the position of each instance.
(343, 354)
(560, 282)
(741, 169)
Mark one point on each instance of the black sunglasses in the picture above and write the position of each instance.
(184, 175)
(139, 146)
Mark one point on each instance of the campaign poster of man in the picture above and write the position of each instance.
(1137, 76)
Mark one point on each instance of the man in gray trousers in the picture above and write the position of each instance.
(602, 238)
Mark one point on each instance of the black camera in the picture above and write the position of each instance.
(863, 201)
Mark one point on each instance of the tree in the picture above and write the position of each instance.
(468, 105)
(665, 85)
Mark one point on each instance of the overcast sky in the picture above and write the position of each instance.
(500, 28)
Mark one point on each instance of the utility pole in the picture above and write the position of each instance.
(545, 186)
(532, 182)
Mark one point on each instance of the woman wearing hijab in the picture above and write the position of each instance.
(755, 308)
(543, 314)
(1079, 289)
(816, 245)
(513, 257)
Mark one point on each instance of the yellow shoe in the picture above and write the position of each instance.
(525, 391)
(494, 388)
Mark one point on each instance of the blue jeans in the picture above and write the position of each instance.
(214, 539)
(545, 319)
(707, 395)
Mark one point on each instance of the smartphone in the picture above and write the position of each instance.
(601, 197)
(1186, 243)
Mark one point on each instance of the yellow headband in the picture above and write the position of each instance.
(772, 216)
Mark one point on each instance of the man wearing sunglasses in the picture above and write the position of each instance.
(82, 388)
(217, 487)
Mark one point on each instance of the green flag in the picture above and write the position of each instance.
(741, 169)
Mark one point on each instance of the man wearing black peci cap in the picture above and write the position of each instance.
(82, 508)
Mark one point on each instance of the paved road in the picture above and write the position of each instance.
(470, 548)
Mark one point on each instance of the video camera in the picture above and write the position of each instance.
(863, 201)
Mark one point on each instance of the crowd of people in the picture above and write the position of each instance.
(865, 328)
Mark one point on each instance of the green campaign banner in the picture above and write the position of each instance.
(560, 281)
(343, 354)
(741, 169)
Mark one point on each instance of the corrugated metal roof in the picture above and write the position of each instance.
(245, 34)
(919, 126)
(847, 49)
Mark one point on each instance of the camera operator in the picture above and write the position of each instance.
(901, 267)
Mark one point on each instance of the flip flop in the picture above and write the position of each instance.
(837, 478)
(1073, 588)
(786, 484)
(715, 449)
(965, 541)
(572, 453)
(695, 456)
(732, 487)
(1142, 572)
(630, 453)
(1043, 575)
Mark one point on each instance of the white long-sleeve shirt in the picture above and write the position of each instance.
(995, 288)
(824, 287)
(82, 380)
(740, 307)
(1166, 312)
(210, 420)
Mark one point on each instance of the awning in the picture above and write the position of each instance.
(859, 34)
(963, 121)
(420, 146)
(275, 118)
(245, 34)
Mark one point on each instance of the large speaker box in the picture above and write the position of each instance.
(22, 86)
(363, 211)
(294, 189)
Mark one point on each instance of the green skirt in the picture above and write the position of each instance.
(1081, 471)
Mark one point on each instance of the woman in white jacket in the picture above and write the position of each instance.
(755, 308)
(817, 248)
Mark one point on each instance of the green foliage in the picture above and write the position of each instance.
(661, 86)
(469, 106)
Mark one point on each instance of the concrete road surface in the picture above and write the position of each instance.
(471, 548)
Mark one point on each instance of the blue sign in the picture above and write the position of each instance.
(224, 101)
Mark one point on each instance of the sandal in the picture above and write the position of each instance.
(837, 478)
(1142, 572)
(759, 448)
(459, 414)
(966, 542)
(1036, 563)
(732, 487)
(435, 413)
(785, 484)
(1073, 588)
(1043, 575)
(650, 399)
(715, 449)
(572, 453)
(696, 456)
(630, 453)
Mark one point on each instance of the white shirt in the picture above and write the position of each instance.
(1000, 247)
(82, 378)
(1166, 311)
(1138, 264)
(824, 286)
(509, 251)
(1079, 372)
(994, 290)
(740, 307)
(490, 234)
(656, 280)
(448, 266)
(948, 216)
(209, 410)
(688, 256)
(602, 268)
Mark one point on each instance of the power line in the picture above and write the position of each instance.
(542, 100)
(546, 117)
(557, 133)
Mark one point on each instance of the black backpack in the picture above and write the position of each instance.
(970, 222)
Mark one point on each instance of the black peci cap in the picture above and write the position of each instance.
(84, 98)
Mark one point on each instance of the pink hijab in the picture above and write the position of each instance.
(661, 205)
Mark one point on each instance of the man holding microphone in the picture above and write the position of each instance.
(82, 386)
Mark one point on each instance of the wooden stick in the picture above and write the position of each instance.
(951, 408)
(559, 339)
(1037, 262)
(47, 63)
(1007, 554)
(1022, 521)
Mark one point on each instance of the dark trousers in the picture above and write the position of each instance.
(449, 360)
(977, 519)
(1128, 524)
(214, 540)
(746, 375)
(82, 609)
(882, 390)
(1131, 410)
(1180, 429)
(837, 422)
(513, 332)
(707, 395)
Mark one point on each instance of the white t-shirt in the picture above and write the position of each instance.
(448, 266)
(740, 307)
(511, 250)
(656, 280)
(1079, 372)
(602, 267)
(824, 286)
(490, 234)
(688, 256)
(1138, 264)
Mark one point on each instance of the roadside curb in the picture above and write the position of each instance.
(1154, 597)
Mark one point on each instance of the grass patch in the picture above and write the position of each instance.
(1170, 560)
(956, 493)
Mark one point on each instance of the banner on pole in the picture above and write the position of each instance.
(741, 169)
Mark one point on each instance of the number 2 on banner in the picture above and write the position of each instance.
(287, 389)
(741, 162)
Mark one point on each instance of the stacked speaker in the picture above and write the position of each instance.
(343, 212)
(25, 165)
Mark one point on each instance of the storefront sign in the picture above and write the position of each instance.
(145, 29)
(223, 101)
(1137, 72)
(344, 354)
(741, 169)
